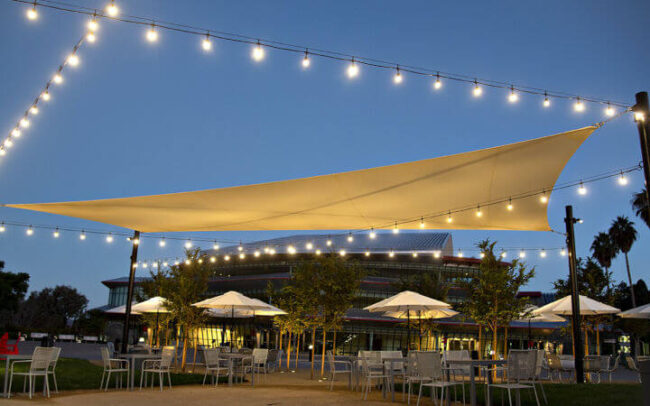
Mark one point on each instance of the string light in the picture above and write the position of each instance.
(136, 241)
(391, 253)
(582, 190)
(504, 254)
(579, 105)
(58, 79)
(291, 249)
(563, 252)
(56, 233)
(29, 231)
(353, 70)
(449, 218)
(162, 242)
(397, 79)
(82, 236)
(33, 109)
(415, 255)
(309, 246)
(460, 254)
(437, 84)
(367, 253)
(109, 238)
(112, 9)
(93, 25)
(481, 255)
(547, 102)
(187, 262)
(318, 252)
(329, 243)
(73, 60)
(45, 96)
(2, 228)
(479, 213)
(152, 34)
(342, 253)
(477, 89)
(256, 254)
(513, 97)
(90, 37)
(227, 257)
(395, 229)
(258, 52)
(15, 133)
(165, 264)
(542, 253)
(543, 198)
(206, 44)
(188, 244)
(242, 255)
(622, 180)
(24, 122)
(436, 254)
(32, 14)
(610, 111)
(522, 254)
(240, 247)
(350, 237)
(510, 207)
(306, 61)
(422, 222)
(215, 246)
(272, 251)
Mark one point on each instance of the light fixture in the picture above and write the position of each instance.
(206, 44)
(522, 254)
(397, 79)
(395, 229)
(582, 190)
(542, 253)
(112, 9)
(73, 60)
(479, 213)
(15, 133)
(92, 24)
(152, 34)
(227, 257)
(547, 101)
(240, 247)
(162, 242)
(353, 69)
(215, 246)
(32, 14)
(342, 253)
(422, 222)
(477, 89)
(136, 241)
(256, 254)
(510, 207)
(56, 233)
(460, 254)
(437, 84)
(579, 106)
(436, 254)
(309, 246)
(329, 243)
(350, 237)
(109, 238)
(33, 110)
(58, 79)
(305, 61)
(622, 179)
(367, 253)
(24, 122)
(45, 96)
(188, 244)
(2, 227)
(258, 52)
(449, 218)
(414, 255)
(242, 256)
(372, 235)
(610, 111)
(513, 97)
(29, 231)
(481, 255)
(543, 198)
(82, 236)
(639, 116)
(391, 253)
(318, 252)
(563, 252)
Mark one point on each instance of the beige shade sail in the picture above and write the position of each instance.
(362, 199)
(588, 307)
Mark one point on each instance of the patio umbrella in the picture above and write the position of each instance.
(154, 305)
(407, 302)
(121, 310)
(641, 312)
(420, 314)
(588, 307)
(233, 301)
(528, 316)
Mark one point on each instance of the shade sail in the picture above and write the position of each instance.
(588, 307)
(362, 199)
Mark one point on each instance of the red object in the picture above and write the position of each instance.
(5, 347)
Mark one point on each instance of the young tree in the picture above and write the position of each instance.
(492, 299)
(624, 234)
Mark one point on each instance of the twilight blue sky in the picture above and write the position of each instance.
(136, 118)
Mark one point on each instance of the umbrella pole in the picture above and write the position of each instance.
(575, 300)
(232, 326)
(408, 330)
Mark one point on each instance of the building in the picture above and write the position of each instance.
(250, 268)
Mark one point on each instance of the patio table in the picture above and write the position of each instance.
(231, 357)
(132, 358)
(391, 361)
(8, 359)
(472, 382)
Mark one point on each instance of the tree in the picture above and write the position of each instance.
(91, 322)
(290, 300)
(624, 234)
(641, 206)
(51, 308)
(492, 299)
(639, 329)
(604, 251)
(13, 287)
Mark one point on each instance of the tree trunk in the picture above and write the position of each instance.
(280, 347)
(629, 278)
(480, 346)
(505, 343)
(586, 341)
(334, 344)
(322, 355)
(495, 355)
(184, 354)
(297, 351)
(598, 339)
(313, 350)
(289, 350)
(196, 344)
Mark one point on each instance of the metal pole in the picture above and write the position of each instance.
(569, 220)
(642, 117)
(135, 241)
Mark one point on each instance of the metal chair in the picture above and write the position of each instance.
(520, 373)
(117, 366)
(160, 367)
(609, 368)
(555, 365)
(214, 364)
(331, 363)
(52, 369)
(632, 365)
(399, 368)
(371, 368)
(38, 366)
(429, 366)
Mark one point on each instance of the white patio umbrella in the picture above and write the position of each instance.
(588, 307)
(121, 310)
(528, 316)
(641, 312)
(408, 303)
(154, 305)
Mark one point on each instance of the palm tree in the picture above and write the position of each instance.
(604, 250)
(623, 235)
(641, 206)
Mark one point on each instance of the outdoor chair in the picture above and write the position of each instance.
(632, 365)
(331, 363)
(52, 369)
(372, 369)
(455, 369)
(160, 367)
(429, 367)
(115, 366)
(399, 368)
(609, 368)
(38, 366)
(6, 348)
(594, 365)
(539, 366)
(520, 373)
(272, 360)
(214, 365)
(555, 366)
(260, 356)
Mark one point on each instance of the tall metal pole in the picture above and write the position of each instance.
(642, 118)
(135, 241)
(569, 220)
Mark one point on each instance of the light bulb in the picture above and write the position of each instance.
(73, 60)
(15, 133)
(109, 238)
(639, 116)
(477, 89)
(165, 264)
(415, 255)
(317, 252)
(542, 253)
(510, 207)
(563, 252)
(56, 233)
(437, 84)
(309, 246)
(58, 79)
(24, 122)
(422, 223)
(32, 14)
(136, 241)
(543, 198)
(256, 254)
(145, 265)
(2, 151)
(82, 236)
(436, 254)
(342, 253)
(258, 52)
(112, 9)
(162, 242)
(45, 96)
(372, 234)
(391, 254)
(449, 219)
(227, 257)
(240, 247)
(398, 77)
(8, 143)
(187, 262)
(350, 237)
(513, 97)
(329, 243)
(242, 256)
(91, 36)
(206, 44)
(622, 180)
(188, 244)
(272, 251)
(479, 213)
(291, 250)
(582, 190)
(481, 255)
(33, 110)
(353, 70)
(93, 25)
(504, 254)
(547, 102)
(2, 228)
(460, 254)
(610, 111)
(579, 106)
(367, 253)
(305, 61)
(215, 246)
(152, 34)
(522, 254)
(395, 229)
(29, 231)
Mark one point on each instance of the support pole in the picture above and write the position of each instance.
(135, 241)
(642, 118)
(569, 220)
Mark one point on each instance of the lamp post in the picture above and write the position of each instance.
(569, 220)
(135, 242)
(642, 117)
